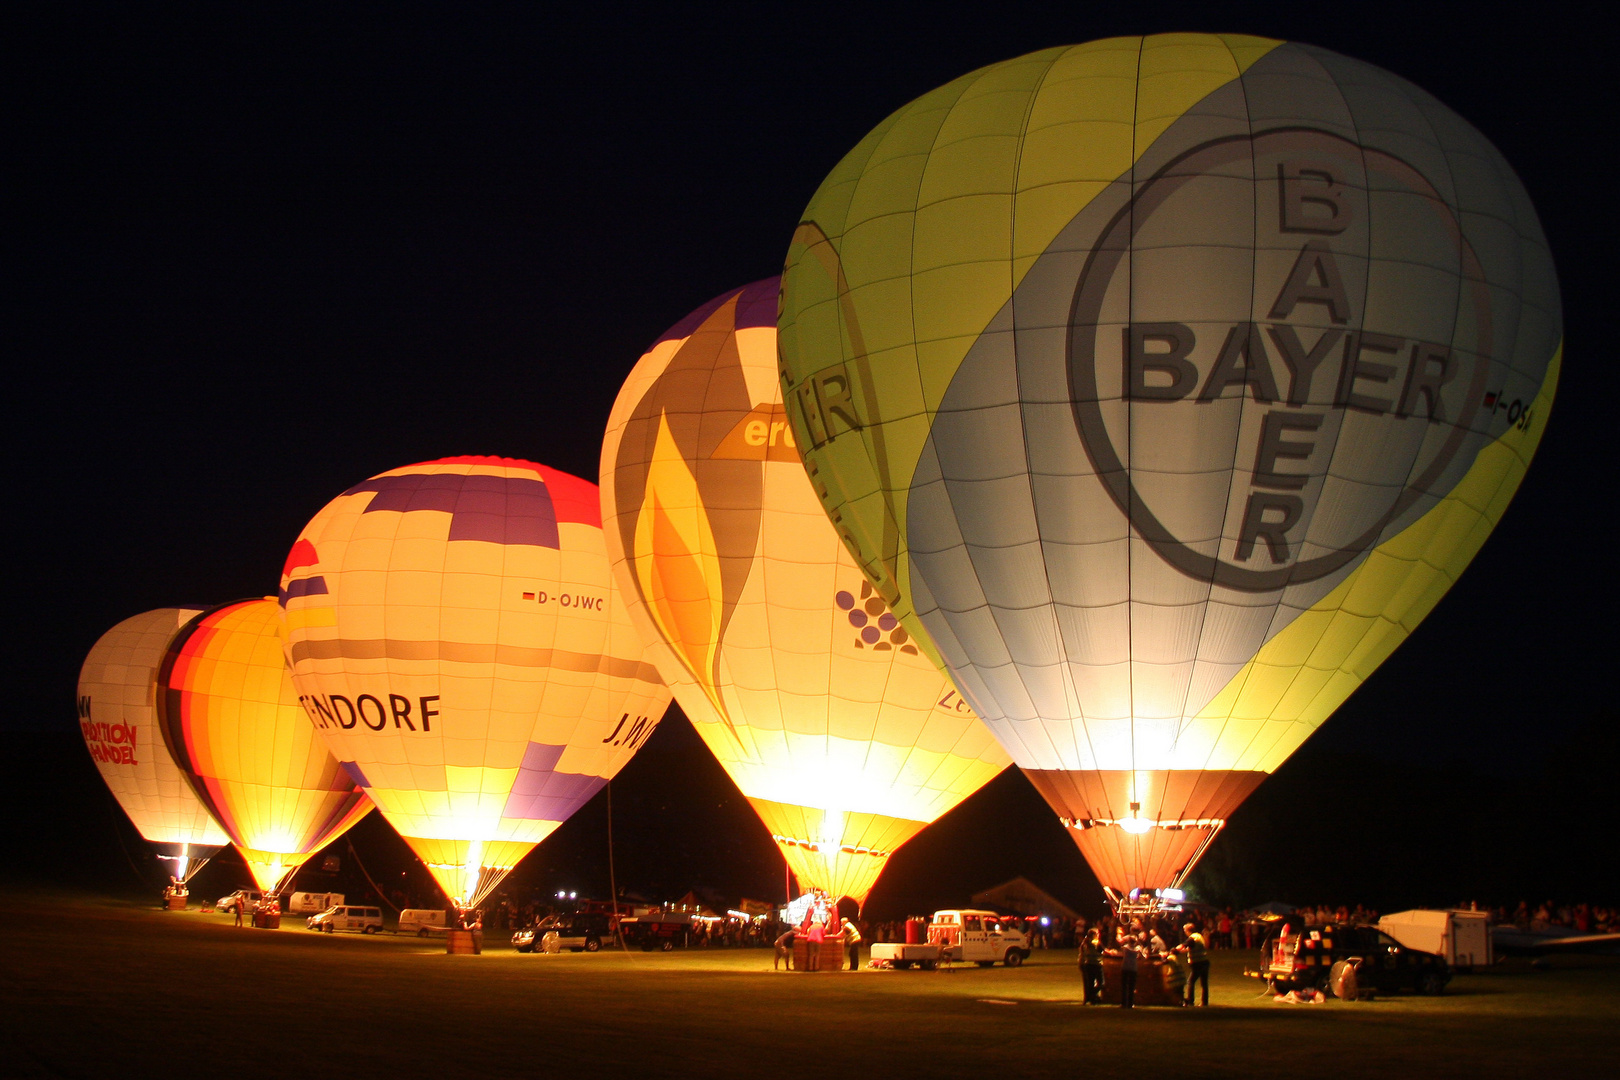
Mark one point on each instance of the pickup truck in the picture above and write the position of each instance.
(958, 936)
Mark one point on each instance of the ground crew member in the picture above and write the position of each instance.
(1197, 951)
(852, 945)
(1127, 973)
(784, 951)
(812, 959)
(1091, 969)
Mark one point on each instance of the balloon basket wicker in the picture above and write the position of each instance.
(831, 958)
(177, 903)
(1156, 983)
(265, 920)
(464, 942)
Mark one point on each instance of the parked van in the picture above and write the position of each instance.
(313, 903)
(421, 921)
(367, 920)
(243, 898)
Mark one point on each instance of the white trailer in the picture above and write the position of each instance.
(313, 903)
(1462, 937)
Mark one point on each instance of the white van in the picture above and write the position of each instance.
(367, 920)
(421, 921)
(313, 903)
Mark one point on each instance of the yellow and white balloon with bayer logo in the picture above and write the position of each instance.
(1165, 384)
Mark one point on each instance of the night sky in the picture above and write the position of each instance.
(256, 256)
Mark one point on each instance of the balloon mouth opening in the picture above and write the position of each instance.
(1136, 826)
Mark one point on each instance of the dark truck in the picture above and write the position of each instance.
(656, 931)
(1350, 961)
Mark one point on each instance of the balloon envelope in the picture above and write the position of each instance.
(1166, 384)
(232, 721)
(454, 633)
(843, 736)
(118, 719)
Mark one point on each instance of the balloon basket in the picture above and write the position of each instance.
(464, 942)
(831, 958)
(177, 903)
(1157, 983)
(267, 920)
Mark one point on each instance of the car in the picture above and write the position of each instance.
(367, 920)
(246, 898)
(576, 933)
(1298, 957)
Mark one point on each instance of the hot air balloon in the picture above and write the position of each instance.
(843, 736)
(454, 634)
(118, 718)
(1164, 385)
(231, 720)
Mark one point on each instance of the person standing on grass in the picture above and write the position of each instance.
(812, 960)
(852, 945)
(1130, 954)
(239, 905)
(1198, 957)
(1091, 969)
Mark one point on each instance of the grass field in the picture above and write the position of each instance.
(100, 988)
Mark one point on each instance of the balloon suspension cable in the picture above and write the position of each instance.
(488, 879)
(193, 863)
(1199, 854)
(286, 878)
(367, 875)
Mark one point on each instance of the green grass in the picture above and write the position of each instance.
(96, 988)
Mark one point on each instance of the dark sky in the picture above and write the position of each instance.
(257, 255)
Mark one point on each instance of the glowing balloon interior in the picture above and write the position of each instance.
(455, 636)
(231, 720)
(118, 718)
(1165, 384)
(843, 736)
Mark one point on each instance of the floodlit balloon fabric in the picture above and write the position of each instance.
(231, 719)
(845, 738)
(454, 634)
(1165, 384)
(118, 718)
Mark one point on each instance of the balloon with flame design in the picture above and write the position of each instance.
(118, 713)
(843, 736)
(455, 635)
(1165, 384)
(231, 720)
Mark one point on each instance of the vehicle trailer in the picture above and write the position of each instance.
(958, 936)
(1346, 960)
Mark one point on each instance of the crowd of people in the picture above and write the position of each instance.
(1583, 918)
